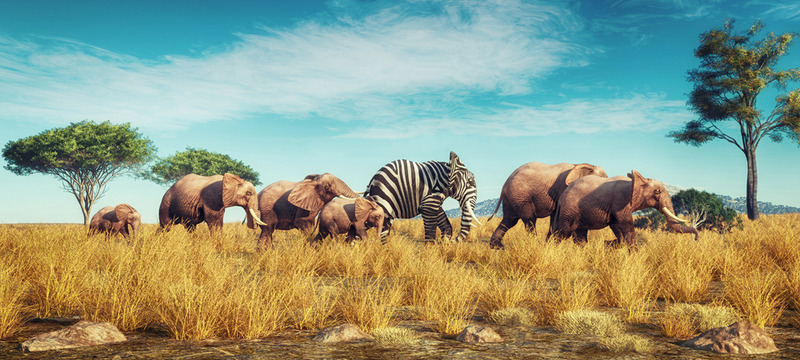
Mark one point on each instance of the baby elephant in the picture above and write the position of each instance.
(116, 219)
(353, 217)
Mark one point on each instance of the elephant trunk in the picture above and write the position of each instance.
(677, 224)
(135, 228)
(253, 214)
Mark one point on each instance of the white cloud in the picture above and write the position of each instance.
(638, 113)
(349, 68)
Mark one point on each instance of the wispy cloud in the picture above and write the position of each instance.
(633, 113)
(416, 57)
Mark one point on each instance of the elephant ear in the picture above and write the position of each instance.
(578, 172)
(230, 184)
(637, 188)
(122, 211)
(456, 168)
(304, 195)
(363, 208)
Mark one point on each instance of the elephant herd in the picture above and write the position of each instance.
(576, 197)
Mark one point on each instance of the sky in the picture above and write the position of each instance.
(300, 87)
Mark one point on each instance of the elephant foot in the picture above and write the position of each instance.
(496, 245)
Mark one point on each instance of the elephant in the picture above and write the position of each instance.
(286, 205)
(353, 217)
(121, 219)
(532, 191)
(196, 198)
(593, 202)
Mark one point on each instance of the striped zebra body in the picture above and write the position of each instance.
(406, 189)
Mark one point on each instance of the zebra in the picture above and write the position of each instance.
(406, 189)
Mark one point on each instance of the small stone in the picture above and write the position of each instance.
(84, 333)
(478, 334)
(341, 333)
(739, 338)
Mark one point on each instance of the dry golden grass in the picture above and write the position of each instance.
(200, 286)
(686, 320)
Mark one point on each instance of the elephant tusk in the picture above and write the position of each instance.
(347, 198)
(672, 216)
(256, 217)
(475, 218)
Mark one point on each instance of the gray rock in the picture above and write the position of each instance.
(341, 333)
(84, 333)
(478, 334)
(739, 338)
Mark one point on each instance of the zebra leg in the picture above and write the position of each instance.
(433, 215)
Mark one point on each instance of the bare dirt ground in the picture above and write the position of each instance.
(521, 342)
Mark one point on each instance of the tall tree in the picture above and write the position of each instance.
(85, 156)
(734, 70)
(198, 161)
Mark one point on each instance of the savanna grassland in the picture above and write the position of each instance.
(216, 297)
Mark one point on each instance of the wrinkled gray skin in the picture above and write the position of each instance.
(121, 219)
(592, 203)
(353, 217)
(531, 192)
(195, 198)
(286, 205)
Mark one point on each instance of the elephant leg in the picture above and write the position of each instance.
(443, 223)
(580, 236)
(387, 230)
(530, 225)
(433, 216)
(265, 239)
(509, 220)
(352, 234)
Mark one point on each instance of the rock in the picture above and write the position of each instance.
(84, 333)
(739, 338)
(342, 333)
(478, 334)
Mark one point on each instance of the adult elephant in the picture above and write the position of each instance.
(593, 202)
(286, 205)
(531, 192)
(406, 189)
(121, 219)
(196, 198)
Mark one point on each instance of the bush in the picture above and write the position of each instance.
(704, 210)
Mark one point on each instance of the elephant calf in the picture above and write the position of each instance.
(353, 217)
(121, 219)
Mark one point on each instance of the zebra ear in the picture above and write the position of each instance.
(456, 168)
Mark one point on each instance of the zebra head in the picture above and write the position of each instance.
(462, 188)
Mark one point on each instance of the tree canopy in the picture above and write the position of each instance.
(198, 161)
(734, 70)
(85, 156)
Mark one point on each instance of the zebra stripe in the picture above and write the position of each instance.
(406, 189)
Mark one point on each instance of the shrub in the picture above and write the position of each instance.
(589, 322)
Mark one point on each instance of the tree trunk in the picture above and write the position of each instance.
(86, 216)
(752, 185)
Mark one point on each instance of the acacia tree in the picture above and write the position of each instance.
(198, 161)
(85, 156)
(734, 70)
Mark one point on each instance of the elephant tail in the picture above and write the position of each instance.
(499, 201)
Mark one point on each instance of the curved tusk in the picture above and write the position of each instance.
(475, 218)
(672, 216)
(256, 217)
(347, 198)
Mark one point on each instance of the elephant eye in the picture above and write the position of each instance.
(658, 192)
(249, 193)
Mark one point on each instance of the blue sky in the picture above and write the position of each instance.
(299, 87)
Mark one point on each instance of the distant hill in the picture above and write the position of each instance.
(486, 207)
